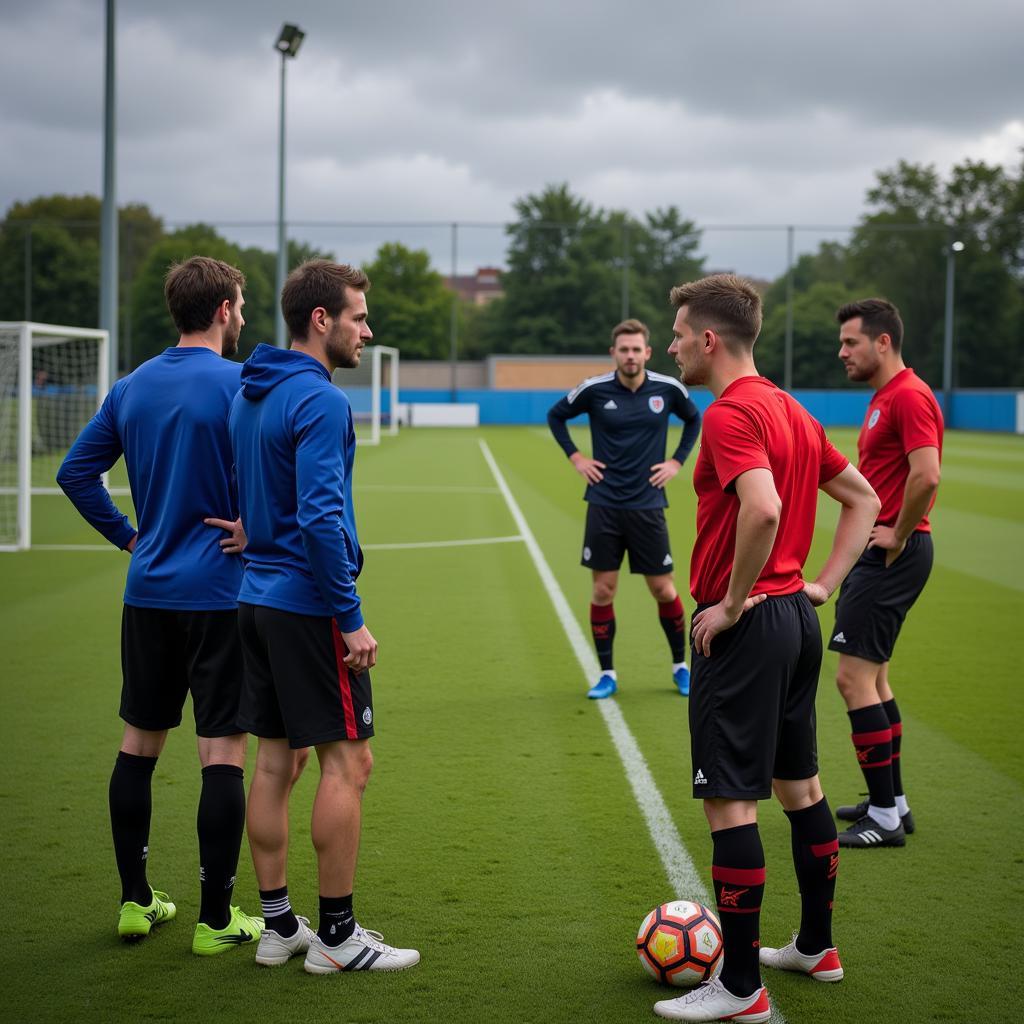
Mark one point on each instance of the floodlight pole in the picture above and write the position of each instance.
(282, 250)
(787, 354)
(108, 224)
(947, 340)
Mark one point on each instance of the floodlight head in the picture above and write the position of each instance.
(958, 247)
(289, 41)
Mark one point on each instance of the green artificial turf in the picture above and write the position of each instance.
(501, 836)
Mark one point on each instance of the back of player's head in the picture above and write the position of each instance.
(631, 327)
(318, 284)
(725, 304)
(195, 289)
(877, 317)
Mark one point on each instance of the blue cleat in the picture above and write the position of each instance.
(681, 677)
(604, 687)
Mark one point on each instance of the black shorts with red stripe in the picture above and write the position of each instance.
(297, 685)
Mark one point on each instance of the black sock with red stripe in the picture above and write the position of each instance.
(673, 622)
(131, 807)
(872, 739)
(816, 860)
(896, 724)
(219, 822)
(602, 628)
(337, 920)
(738, 873)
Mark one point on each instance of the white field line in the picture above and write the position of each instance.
(683, 878)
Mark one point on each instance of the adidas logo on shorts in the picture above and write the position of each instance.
(699, 780)
(839, 639)
(668, 560)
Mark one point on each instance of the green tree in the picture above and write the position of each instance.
(410, 307)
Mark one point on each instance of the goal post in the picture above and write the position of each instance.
(52, 381)
(372, 391)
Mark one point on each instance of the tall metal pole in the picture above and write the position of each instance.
(454, 333)
(108, 228)
(282, 246)
(947, 340)
(625, 269)
(787, 357)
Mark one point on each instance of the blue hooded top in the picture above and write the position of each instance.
(294, 446)
(169, 419)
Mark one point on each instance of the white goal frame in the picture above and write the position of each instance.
(31, 336)
(377, 356)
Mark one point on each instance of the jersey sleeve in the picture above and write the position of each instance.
(833, 461)
(686, 409)
(917, 420)
(320, 423)
(733, 443)
(95, 450)
(574, 404)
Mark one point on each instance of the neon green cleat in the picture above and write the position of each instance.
(136, 922)
(239, 930)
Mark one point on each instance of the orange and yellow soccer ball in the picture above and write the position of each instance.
(680, 943)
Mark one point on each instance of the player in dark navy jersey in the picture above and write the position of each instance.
(900, 449)
(179, 630)
(756, 640)
(629, 410)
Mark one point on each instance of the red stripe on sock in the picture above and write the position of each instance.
(344, 684)
(738, 910)
(602, 612)
(738, 876)
(876, 764)
(671, 609)
(825, 849)
(897, 729)
(861, 739)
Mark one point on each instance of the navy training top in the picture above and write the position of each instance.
(628, 431)
(169, 420)
(294, 446)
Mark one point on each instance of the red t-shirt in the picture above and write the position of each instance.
(755, 425)
(902, 416)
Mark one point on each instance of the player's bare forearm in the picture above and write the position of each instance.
(860, 507)
(917, 499)
(756, 529)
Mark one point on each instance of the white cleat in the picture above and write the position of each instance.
(363, 950)
(275, 949)
(713, 1001)
(823, 966)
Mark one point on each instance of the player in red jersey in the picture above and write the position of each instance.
(756, 643)
(900, 449)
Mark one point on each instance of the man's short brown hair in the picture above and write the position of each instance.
(195, 289)
(631, 327)
(725, 304)
(318, 283)
(877, 316)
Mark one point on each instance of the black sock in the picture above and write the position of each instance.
(673, 622)
(219, 823)
(278, 915)
(816, 860)
(131, 805)
(738, 873)
(337, 922)
(602, 627)
(896, 724)
(872, 739)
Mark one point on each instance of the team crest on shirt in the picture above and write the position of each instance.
(656, 403)
(873, 418)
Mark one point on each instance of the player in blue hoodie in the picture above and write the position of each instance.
(307, 650)
(179, 629)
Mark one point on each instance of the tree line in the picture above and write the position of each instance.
(572, 270)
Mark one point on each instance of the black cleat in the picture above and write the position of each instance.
(867, 832)
(854, 812)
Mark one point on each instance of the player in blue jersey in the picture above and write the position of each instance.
(307, 650)
(626, 478)
(179, 630)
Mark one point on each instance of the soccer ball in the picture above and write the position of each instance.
(680, 943)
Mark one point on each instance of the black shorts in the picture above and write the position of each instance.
(165, 654)
(752, 702)
(297, 685)
(610, 532)
(874, 601)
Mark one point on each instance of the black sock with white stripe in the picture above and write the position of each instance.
(337, 921)
(278, 915)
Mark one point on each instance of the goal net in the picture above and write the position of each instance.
(52, 381)
(372, 390)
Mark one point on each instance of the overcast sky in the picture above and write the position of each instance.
(739, 113)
